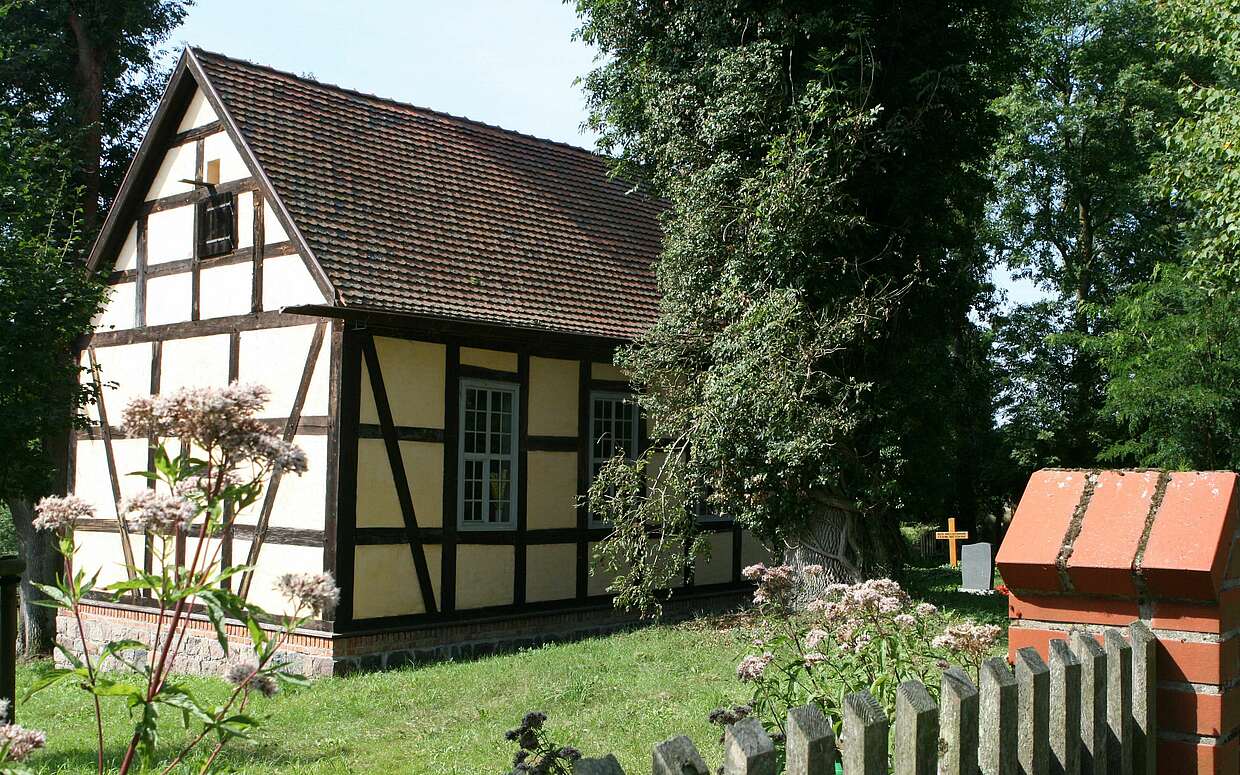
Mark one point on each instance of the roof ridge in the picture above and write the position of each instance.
(199, 51)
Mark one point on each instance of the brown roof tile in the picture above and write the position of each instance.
(413, 211)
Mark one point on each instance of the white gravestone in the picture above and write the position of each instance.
(977, 567)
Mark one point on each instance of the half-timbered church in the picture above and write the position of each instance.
(434, 304)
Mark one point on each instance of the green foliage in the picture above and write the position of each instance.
(46, 302)
(1078, 212)
(1199, 169)
(1174, 361)
(822, 164)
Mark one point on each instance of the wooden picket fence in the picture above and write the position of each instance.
(1090, 711)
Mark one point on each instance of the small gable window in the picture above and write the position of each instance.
(217, 225)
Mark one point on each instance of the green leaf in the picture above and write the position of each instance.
(51, 678)
(60, 598)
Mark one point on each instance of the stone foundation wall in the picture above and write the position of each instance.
(321, 654)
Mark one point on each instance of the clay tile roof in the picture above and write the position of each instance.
(413, 211)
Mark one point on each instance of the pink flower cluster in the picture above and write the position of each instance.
(975, 640)
(753, 666)
(158, 513)
(240, 672)
(774, 583)
(216, 418)
(58, 514)
(17, 742)
(309, 591)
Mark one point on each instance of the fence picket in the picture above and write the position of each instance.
(1145, 696)
(917, 731)
(1093, 703)
(678, 756)
(865, 736)
(998, 720)
(1033, 680)
(748, 749)
(958, 717)
(1119, 703)
(1065, 715)
(810, 742)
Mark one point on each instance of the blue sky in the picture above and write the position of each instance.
(506, 62)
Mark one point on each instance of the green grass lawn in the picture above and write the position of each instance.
(619, 694)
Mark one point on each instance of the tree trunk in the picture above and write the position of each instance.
(38, 548)
(839, 542)
(88, 74)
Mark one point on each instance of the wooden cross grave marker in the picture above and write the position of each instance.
(951, 535)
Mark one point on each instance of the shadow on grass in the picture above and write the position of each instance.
(940, 585)
(77, 759)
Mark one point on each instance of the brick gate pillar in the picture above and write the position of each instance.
(1088, 549)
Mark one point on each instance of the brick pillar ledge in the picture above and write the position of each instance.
(1088, 549)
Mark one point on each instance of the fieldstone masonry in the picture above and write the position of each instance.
(1088, 550)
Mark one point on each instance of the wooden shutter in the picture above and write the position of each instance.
(217, 225)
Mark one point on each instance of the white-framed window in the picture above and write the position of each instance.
(613, 431)
(487, 483)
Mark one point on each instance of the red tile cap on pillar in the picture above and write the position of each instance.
(1189, 545)
(1114, 521)
(1031, 547)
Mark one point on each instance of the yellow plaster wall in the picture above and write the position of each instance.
(551, 572)
(178, 164)
(273, 561)
(125, 371)
(199, 113)
(377, 505)
(225, 290)
(484, 576)
(489, 359)
(386, 582)
(551, 495)
(102, 552)
(553, 397)
(245, 219)
(288, 282)
(600, 577)
(198, 362)
(607, 371)
(413, 374)
(220, 146)
(754, 551)
(170, 235)
(90, 475)
(300, 499)
(168, 299)
(118, 311)
(717, 569)
(276, 357)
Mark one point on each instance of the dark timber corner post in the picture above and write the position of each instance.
(11, 567)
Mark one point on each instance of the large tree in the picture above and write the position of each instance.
(1173, 348)
(78, 78)
(823, 169)
(1077, 211)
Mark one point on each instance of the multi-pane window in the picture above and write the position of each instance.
(488, 454)
(613, 430)
(217, 222)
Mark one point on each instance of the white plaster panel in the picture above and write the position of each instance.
(102, 552)
(300, 499)
(118, 310)
(275, 357)
(170, 235)
(198, 362)
(245, 219)
(125, 371)
(179, 164)
(169, 298)
(287, 281)
(127, 258)
(220, 146)
(91, 481)
(273, 230)
(199, 113)
(225, 290)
